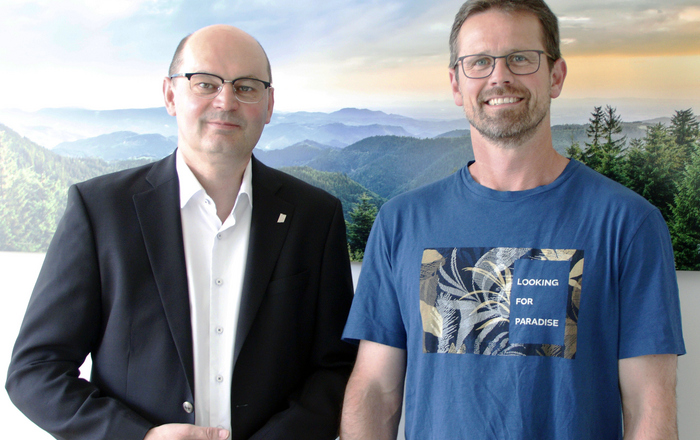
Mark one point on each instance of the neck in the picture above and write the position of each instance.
(516, 166)
(221, 179)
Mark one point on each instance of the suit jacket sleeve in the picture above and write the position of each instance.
(314, 408)
(61, 326)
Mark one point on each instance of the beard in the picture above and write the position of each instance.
(508, 127)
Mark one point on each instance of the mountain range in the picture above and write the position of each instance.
(120, 145)
(351, 153)
(51, 127)
(385, 153)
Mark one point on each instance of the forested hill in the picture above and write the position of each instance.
(33, 186)
(34, 182)
(340, 185)
(390, 165)
(384, 165)
(658, 159)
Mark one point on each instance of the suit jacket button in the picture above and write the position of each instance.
(187, 406)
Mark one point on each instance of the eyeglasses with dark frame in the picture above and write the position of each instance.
(208, 86)
(522, 62)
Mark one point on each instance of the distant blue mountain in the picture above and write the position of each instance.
(385, 165)
(336, 134)
(296, 155)
(120, 145)
(152, 133)
(421, 128)
(454, 133)
(50, 127)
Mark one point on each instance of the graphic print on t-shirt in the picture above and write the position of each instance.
(501, 301)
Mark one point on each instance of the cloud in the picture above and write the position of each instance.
(690, 14)
(630, 28)
(567, 20)
(363, 47)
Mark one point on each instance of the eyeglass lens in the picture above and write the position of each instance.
(246, 90)
(520, 63)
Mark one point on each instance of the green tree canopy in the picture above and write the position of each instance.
(649, 168)
(685, 227)
(362, 218)
(686, 130)
(604, 152)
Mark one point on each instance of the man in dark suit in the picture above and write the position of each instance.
(210, 290)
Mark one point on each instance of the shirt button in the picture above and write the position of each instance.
(219, 281)
(187, 406)
(219, 330)
(219, 236)
(219, 378)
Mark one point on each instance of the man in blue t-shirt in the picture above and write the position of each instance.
(525, 296)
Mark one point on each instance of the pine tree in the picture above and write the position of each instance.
(612, 125)
(611, 157)
(686, 130)
(648, 168)
(595, 128)
(604, 153)
(685, 228)
(362, 217)
(594, 131)
(574, 151)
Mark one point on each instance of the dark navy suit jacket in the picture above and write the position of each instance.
(114, 285)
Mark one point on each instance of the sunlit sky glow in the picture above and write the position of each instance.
(383, 55)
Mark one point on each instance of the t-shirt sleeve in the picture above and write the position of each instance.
(376, 314)
(650, 314)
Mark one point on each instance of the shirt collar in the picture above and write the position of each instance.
(190, 186)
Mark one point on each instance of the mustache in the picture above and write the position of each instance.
(503, 90)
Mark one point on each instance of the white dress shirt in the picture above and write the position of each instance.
(215, 256)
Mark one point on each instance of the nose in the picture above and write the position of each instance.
(501, 73)
(226, 99)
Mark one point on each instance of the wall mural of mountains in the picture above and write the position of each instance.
(120, 145)
(351, 153)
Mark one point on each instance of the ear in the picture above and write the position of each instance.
(557, 76)
(169, 96)
(270, 103)
(454, 82)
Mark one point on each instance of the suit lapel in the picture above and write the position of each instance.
(269, 226)
(158, 212)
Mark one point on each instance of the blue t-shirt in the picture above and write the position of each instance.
(515, 307)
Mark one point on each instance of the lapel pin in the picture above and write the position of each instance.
(281, 218)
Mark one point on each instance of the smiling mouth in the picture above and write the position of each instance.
(502, 101)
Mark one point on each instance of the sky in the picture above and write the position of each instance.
(326, 55)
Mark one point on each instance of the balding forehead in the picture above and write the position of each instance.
(221, 39)
(222, 31)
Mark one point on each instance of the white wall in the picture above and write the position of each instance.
(689, 365)
(18, 272)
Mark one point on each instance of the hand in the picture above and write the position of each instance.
(176, 431)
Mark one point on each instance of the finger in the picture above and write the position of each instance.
(215, 434)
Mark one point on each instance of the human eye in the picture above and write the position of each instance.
(248, 88)
(478, 62)
(522, 58)
(245, 88)
(205, 84)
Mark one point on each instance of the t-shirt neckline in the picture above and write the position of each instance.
(509, 196)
